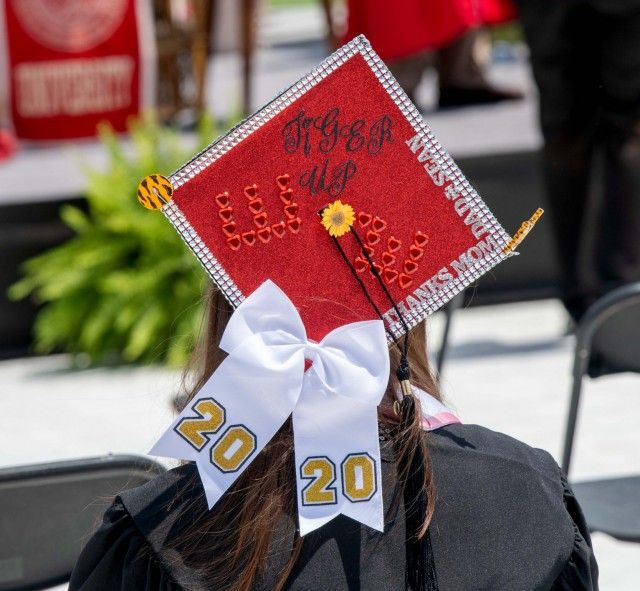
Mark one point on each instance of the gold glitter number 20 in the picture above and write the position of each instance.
(358, 477)
(322, 473)
(357, 472)
(231, 450)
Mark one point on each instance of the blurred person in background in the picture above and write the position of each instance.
(586, 61)
(450, 35)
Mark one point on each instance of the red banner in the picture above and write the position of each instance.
(70, 64)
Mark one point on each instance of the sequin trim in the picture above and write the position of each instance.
(359, 45)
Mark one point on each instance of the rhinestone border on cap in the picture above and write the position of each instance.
(439, 155)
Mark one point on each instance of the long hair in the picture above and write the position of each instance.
(229, 547)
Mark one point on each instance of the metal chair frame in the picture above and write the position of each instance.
(594, 318)
(452, 307)
(132, 465)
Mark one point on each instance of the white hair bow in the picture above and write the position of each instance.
(263, 381)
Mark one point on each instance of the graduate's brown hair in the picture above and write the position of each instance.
(229, 547)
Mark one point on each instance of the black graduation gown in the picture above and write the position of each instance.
(505, 519)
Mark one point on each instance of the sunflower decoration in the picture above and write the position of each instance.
(337, 218)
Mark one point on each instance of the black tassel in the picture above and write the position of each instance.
(421, 572)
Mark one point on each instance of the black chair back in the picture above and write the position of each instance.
(48, 511)
(607, 341)
(615, 345)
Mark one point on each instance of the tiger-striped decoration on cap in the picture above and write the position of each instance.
(155, 191)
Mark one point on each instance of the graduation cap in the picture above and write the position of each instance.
(248, 204)
(339, 193)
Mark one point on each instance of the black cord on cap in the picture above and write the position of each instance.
(420, 574)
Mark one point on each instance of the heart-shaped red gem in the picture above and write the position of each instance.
(404, 280)
(291, 210)
(264, 234)
(251, 191)
(364, 219)
(360, 264)
(393, 244)
(415, 252)
(379, 224)
(249, 237)
(389, 275)
(223, 199)
(260, 220)
(256, 205)
(278, 229)
(378, 269)
(373, 237)
(234, 242)
(420, 239)
(367, 251)
(388, 259)
(286, 196)
(229, 228)
(226, 214)
(410, 266)
(294, 225)
(284, 180)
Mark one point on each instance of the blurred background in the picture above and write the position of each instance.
(100, 302)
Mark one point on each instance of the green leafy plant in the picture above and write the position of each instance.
(125, 285)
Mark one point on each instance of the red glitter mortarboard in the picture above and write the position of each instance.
(248, 206)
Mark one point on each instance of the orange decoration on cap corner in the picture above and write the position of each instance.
(523, 230)
(155, 191)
